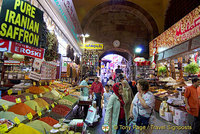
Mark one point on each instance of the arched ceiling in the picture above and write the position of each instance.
(132, 22)
(156, 8)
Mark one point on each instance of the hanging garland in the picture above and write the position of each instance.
(51, 52)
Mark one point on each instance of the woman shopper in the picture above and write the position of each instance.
(142, 106)
(115, 112)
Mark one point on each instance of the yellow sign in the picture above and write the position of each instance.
(19, 92)
(34, 83)
(21, 21)
(3, 128)
(17, 121)
(47, 107)
(18, 100)
(30, 116)
(39, 113)
(92, 46)
(5, 107)
(40, 94)
(46, 83)
(61, 96)
(52, 105)
(28, 98)
(9, 91)
(27, 90)
(56, 103)
(50, 83)
(35, 96)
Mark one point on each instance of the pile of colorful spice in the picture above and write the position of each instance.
(50, 95)
(42, 103)
(49, 121)
(22, 128)
(10, 98)
(21, 109)
(5, 102)
(49, 101)
(39, 126)
(36, 90)
(61, 110)
(34, 105)
(11, 116)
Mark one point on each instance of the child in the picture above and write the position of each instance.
(110, 88)
(106, 96)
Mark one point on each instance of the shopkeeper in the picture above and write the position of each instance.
(84, 86)
(85, 92)
(193, 105)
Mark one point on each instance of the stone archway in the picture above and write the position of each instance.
(123, 21)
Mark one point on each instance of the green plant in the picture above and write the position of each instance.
(192, 68)
(162, 70)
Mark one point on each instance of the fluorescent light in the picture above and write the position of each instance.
(138, 50)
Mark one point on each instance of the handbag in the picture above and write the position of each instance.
(141, 120)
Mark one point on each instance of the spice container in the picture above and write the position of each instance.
(19, 75)
(15, 74)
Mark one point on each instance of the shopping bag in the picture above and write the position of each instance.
(92, 112)
(131, 123)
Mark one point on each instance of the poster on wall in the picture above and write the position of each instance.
(21, 22)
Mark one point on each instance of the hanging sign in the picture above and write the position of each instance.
(18, 48)
(185, 29)
(20, 21)
(92, 46)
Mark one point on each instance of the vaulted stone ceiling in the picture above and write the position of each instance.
(133, 22)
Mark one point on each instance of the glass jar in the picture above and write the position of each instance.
(19, 75)
(15, 75)
(6, 75)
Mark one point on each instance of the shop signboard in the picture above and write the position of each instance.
(18, 48)
(92, 46)
(68, 13)
(185, 29)
(21, 22)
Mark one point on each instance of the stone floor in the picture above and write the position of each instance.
(158, 122)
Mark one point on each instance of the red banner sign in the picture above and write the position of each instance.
(185, 29)
(18, 48)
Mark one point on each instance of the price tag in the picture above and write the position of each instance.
(40, 83)
(40, 94)
(30, 116)
(61, 96)
(28, 98)
(17, 121)
(18, 100)
(3, 128)
(50, 83)
(52, 105)
(9, 91)
(35, 96)
(34, 83)
(27, 90)
(47, 107)
(19, 92)
(56, 103)
(46, 83)
(5, 107)
(39, 113)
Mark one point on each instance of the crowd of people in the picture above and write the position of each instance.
(130, 103)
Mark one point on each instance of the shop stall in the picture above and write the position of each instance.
(176, 54)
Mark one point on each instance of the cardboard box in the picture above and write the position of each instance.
(168, 116)
(179, 114)
(180, 122)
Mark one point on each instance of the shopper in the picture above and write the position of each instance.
(127, 93)
(193, 105)
(142, 105)
(133, 86)
(118, 71)
(115, 112)
(106, 96)
(111, 88)
(111, 81)
(97, 91)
